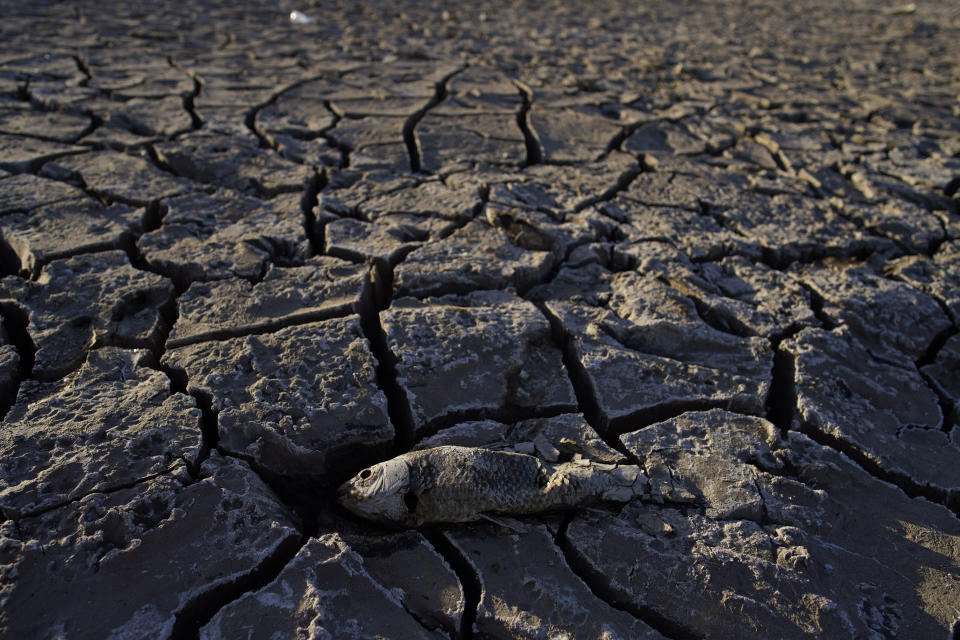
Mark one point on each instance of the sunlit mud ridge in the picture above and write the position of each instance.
(710, 249)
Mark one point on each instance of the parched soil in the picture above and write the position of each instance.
(246, 253)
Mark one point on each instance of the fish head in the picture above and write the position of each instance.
(380, 493)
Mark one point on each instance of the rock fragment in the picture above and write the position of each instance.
(229, 93)
(407, 565)
(233, 162)
(684, 188)
(87, 301)
(791, 228)
(934, 275)
(512, 248)
(713, 461)
(491, 138)
(109, 425)
(700, 236)
(643, 349)
(299, 113)
(117, 176)
(370, 196)
(486, 353)
(22, 153)
(555, 188)
(374, 106)
(222, 235)
(478, 120)
(666, 138)
(62, 230)
(747, 298)
(388, 239)
(55, 125)
(528, 590)
(25, 192)
(146, 117)
(772, 552)
(191, 537)
(914, 228)
(878, 407)
(323, 288)
(572, 135)
(477, 256)
(944, 374)
(374, 142)
(300, 402)
(889, 316)
(332, 593)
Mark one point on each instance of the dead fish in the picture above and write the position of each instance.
(465, 484)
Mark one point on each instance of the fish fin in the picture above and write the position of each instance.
(506, 523)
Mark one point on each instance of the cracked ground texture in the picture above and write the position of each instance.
(244, 257)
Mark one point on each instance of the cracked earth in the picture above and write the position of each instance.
(244, 258)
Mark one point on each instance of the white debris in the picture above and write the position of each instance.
(298, 17)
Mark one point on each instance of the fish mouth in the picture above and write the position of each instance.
(346, 495)
(351, 499)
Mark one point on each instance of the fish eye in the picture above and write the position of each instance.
(366, 473)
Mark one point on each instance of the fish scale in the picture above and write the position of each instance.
(463, 484)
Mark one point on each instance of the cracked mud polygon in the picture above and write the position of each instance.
(245, 256)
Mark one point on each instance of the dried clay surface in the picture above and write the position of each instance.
(249, 251)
